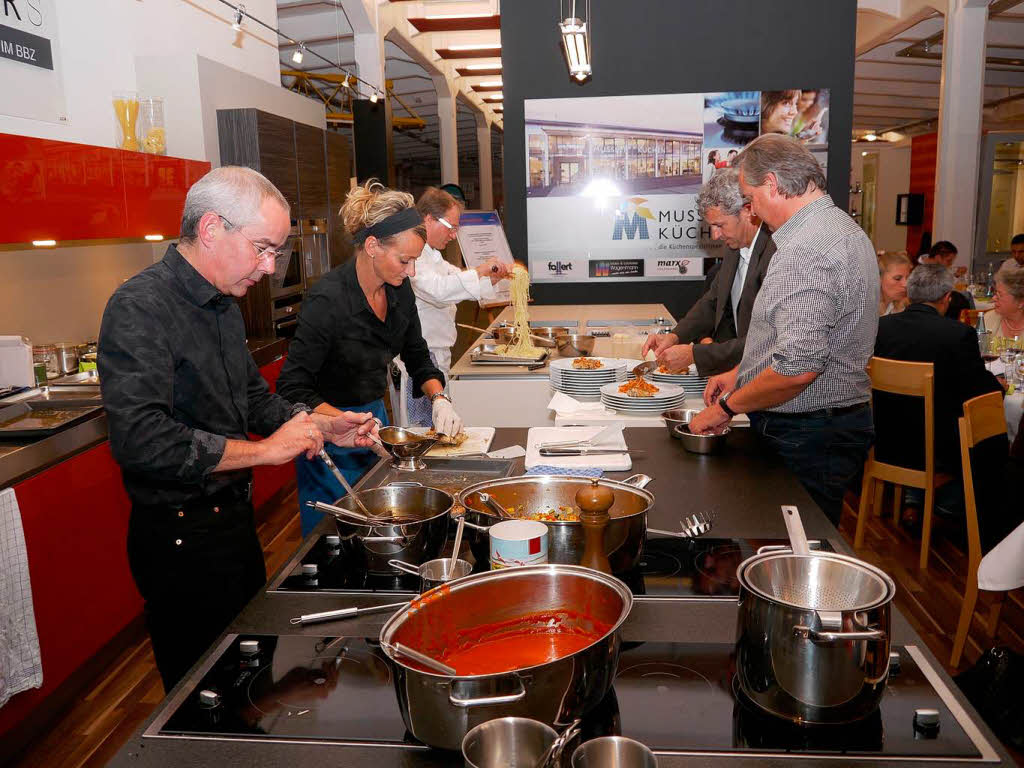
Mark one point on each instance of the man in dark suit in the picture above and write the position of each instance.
(712, 332)
(922, 334)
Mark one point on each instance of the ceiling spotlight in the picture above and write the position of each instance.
(297, 56)
(373, 96)
(870, 136)
(239, 16)
(576, 41)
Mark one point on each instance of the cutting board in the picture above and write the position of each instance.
(479, 441)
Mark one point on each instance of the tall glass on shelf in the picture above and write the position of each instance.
(151, 125)
(126, 115)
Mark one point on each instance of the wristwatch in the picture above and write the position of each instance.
(436, 395)
(725, 406)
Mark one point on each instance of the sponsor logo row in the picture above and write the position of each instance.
(579, 269)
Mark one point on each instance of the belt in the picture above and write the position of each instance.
(822, 413)
(226, 496)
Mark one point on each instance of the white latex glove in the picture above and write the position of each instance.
(446, 420)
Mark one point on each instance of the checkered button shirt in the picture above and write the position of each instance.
(817, 309)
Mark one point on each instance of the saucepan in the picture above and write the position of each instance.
(408, 522)
(473, 614)
(530, 496)
(812, 632)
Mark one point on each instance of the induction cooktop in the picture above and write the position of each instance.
(678, 698)
(671, 568)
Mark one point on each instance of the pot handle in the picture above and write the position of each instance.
(812, 544)
(386, 539)
(473, 526)
(482, 701)
(816, 636)
(404, 484)
(639, 480)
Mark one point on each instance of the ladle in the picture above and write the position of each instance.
(326, 459)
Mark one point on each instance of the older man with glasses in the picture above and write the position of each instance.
(182, 392)
(803, 376)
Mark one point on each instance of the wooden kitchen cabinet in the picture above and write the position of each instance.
(264, 142)
(311, 162)
(339, 171)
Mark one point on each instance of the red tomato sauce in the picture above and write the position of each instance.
(523, 642)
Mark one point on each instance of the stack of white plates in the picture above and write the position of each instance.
(585, 382)
(691, 383)
(668, 396)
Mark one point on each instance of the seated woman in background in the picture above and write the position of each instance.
(1007, 319)
(893, 271)
(352, 324)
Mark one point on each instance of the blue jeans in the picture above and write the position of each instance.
(317, 483)
(823, 450)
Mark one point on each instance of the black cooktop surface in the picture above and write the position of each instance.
(673, 697)
(670, 568)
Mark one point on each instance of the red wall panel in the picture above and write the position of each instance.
(266, 481)
(75, 517)
(154, 190)
(923, 153)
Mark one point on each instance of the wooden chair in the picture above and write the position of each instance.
(915, 380)
(983, 418)
(970, 316)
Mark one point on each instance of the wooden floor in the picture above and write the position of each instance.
(93, 730)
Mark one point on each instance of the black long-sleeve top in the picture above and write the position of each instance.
(178, 382)
(341, 349)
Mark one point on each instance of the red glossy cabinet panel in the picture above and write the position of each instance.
(75, 517)
(267, 481)
(63, 191)
(53, 189)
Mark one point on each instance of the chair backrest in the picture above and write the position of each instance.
(983, 419)
(970, 316)
(899, 377)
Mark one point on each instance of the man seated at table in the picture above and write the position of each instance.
(922, 334)
(1017, 249)
(713, 331)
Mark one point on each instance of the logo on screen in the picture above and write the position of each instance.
(559, 267)
(617, 268)
(631, 219)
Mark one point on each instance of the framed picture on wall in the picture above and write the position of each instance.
(909, 209)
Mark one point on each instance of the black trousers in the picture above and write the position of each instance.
(196, 567)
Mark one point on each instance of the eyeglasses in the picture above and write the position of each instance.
(264, 252)
(447, 224)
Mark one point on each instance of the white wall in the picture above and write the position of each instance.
(58, 294)
(99, 41)
(893, 179)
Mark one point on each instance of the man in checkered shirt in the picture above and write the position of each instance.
(803, 377)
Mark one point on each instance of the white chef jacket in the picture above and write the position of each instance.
(439, 287)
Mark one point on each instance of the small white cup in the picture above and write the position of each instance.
(518, 542)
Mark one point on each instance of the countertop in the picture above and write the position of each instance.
(585, 315)
(23, 458)
(745, 486)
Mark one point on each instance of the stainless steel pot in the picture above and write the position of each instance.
(813, 635)
(623, 538)
(440, 710)
(67, 357)
(371, 546)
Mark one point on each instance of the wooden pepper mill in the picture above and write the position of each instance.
(594, 501)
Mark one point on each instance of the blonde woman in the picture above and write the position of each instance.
(352, 324)
(1007, 319)
(893, 271)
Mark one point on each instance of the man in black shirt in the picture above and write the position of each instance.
(182, 392)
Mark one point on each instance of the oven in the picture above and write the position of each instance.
(289, 278)
(286, 316)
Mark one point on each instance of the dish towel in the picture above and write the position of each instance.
(547, 469)
(1002, 569)
(21, 666)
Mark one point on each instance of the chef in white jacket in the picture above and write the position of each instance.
(439, 286)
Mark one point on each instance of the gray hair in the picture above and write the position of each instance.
(233, 192)
(792, 163)
(1012, 276)
(723, 192)
(929, 282)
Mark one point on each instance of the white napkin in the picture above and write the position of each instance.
(609, 436)
(564, 405)
(21, 666)
(1002, 569)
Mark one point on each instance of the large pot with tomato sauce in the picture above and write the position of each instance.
(539, 641)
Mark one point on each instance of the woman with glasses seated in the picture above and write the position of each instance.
(353, 322)
(1007, 319)
(439, 287)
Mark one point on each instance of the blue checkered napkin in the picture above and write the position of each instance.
(547, 469)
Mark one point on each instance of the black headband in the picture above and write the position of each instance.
(407, 218)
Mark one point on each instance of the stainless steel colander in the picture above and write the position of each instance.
(817, 582)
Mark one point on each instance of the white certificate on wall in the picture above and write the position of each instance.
(481, 237)
(30, 66)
